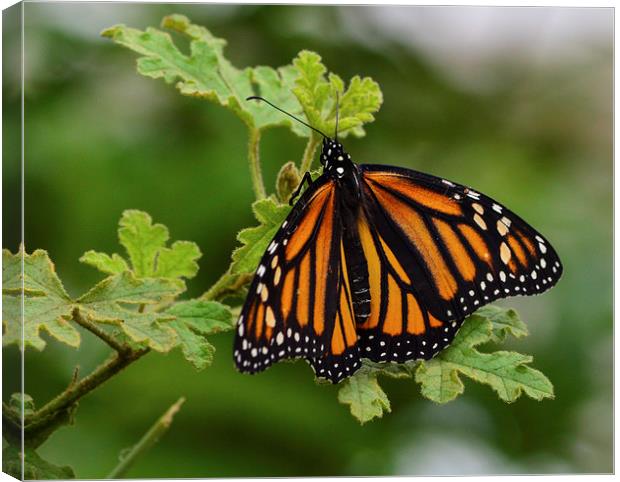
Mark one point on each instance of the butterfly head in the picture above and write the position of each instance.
(335, 160)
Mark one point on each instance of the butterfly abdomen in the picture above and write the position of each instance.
(357, 268)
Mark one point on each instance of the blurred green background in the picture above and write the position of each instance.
(514, 102)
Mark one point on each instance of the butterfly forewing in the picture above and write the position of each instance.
(299, 301)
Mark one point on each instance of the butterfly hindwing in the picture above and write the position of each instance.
(299, 303)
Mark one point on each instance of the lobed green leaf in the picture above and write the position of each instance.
(104, 262)
(255, 240)
(39, 276)
(507, 373)
(364, 395)
(142, 239)
(127, 288)
(178, 261)
(319, 97)
(46, 304)
(207, 73)
(505, 322)
(193, 321)
(105, 302)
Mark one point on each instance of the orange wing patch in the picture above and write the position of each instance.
(414, 228)
(323, 251)
(287, 294)
(308, 222)
(393, 324)
(423, 196)
(415, 319)
(459, 253)
(517, 250)
(303, 307)
(477, 243)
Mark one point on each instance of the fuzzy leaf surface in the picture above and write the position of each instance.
(47, 306)
(255, 240)
(145, 244)
(178, 261)
(107, 302)
(207, 73)
(105, 263)
(507, 373)
(193, 321)
(364, 395)
(317, 93)
(505, 322)
(142, 239)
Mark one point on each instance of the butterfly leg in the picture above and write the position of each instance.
(307, 178)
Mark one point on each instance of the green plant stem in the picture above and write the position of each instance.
(147, 441)
(227, 284)
(254, 158)
(77, 390)
(98, 332)
(306, 160)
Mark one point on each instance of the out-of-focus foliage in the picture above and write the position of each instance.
(538, 139)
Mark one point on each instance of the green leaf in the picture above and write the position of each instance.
(105, 302)
(142, 239)
(104, 262)
(194, 321)
(144, 328)
(39, 277)
(145, 244)
(255, 240)
(35, 468)
(505, 372)
(206, 73)
(178, 261)
(366, 399)
(46, 304)
(505, 322)
(126, 288)
(318, 96)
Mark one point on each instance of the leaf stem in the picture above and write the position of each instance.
(160, 427)
(98, 332)
(75, 391)
(227, 284)
(308, 157)
(254, 159)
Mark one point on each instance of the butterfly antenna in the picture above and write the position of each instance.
(337, 114)
(256, 97)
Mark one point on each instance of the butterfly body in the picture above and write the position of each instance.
(383, 263)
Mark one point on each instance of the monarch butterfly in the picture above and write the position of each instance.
(382, 263)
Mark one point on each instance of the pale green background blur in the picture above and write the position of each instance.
(514, 102)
